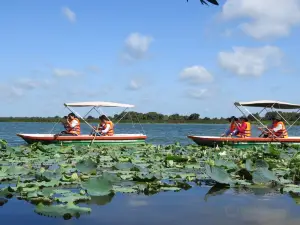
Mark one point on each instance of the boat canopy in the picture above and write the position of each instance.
(98, 104)
(269, 104)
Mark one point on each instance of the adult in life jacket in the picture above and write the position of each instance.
(276, 129)
(244, 128)
(71, 125)
(233, 124)
(105, 127)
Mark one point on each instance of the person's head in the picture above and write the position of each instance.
(65, 117)
(244, 119)
(103, 118)
(71, 116)
(276, 118)
(232, 119)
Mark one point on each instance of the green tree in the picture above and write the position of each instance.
(194, 116)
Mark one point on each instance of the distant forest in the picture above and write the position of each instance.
(154, 117)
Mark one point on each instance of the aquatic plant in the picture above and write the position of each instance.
(56, 178)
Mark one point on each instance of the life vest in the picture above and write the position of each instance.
(247, 132)
(110, 132)
(232, 126)
(280, 133)
(76, 129)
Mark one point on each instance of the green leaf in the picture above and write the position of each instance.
(218, 174)
(86, 166)
(263, 176)
(66, 211)
(249, 165)
(227, 164)
(97, 186)
(261, 164)
(72, 197)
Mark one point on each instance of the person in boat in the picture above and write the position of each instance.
(71, 125)
(244, 128)
(276, 129)
(105, 127)
(233, 124)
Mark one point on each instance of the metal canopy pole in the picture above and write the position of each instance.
(77, 114)
(294, 121)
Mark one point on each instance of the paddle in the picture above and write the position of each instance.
(95, 134)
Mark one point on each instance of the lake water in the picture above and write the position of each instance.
(191, 207)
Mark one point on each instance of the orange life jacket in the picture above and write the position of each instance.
(247, 132)
(76, 129)
(110, 132)
(232, 126)
(280, 133)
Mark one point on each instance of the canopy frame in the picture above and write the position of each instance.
(273, 105)
(96, 106)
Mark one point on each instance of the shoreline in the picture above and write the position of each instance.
(156, 122)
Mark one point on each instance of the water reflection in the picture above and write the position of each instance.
(100, 200)
(215, 190)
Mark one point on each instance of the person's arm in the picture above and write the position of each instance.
(242, 127)
(277, 128)
(106, 129)
(73, 124)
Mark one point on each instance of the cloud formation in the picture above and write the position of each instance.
(19, 88)
(198, 94)
(66, 72)
(244, 61)
(268, 18)
(69, 14)
(94, 69)
(196, 75)
(136, 46)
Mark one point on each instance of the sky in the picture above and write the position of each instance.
(162, 56)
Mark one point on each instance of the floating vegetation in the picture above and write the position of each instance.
(56, 179)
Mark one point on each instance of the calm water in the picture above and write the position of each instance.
(191, 207)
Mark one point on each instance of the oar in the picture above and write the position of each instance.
(94, 136)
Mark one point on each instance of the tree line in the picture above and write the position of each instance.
(154, 117)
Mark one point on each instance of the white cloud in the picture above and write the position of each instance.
(30, 84)
(69, 14)
(268, 18)
(196, 75)
(199, 94)
(10, 92)
(136, 46)
(19, 88)
(135, 84)
(66, 73)
(94, 69)
(250, 61)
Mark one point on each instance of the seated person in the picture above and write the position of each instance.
(276, 129)
(71, 125)
(244, 128)
(232, 129)
(105, 127)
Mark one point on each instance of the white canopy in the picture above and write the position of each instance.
(98, 104)
(269, 104)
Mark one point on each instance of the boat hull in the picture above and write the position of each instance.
(213, 141)
(84, 139)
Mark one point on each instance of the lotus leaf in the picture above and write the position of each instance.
(97, 186)
(72, 197)
(262, 176)
(66, 211)
(218, 174)
(86, 166)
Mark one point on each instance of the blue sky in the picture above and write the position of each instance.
(164, 56)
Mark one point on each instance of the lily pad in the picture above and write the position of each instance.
(97, 186)
(66, 211)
